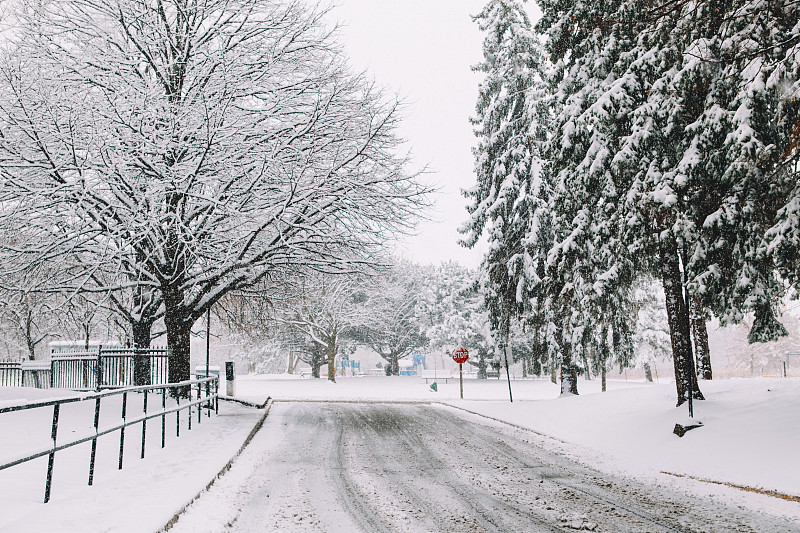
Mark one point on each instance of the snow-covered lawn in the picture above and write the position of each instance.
(751, 437)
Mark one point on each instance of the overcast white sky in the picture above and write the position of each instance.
(423, 50)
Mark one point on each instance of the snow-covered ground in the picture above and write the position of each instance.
(142, 497)
(750, 438)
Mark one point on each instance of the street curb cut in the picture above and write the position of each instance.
(266, 406)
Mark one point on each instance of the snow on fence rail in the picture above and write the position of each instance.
(194, 386)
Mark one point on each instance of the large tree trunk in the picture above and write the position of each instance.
(29, 341)
(86, 332)
(678, 320)
(603, 355)
(587, 371)
(394, 364)
(179, 334)
(648, 373)
(317, 360)
(141, 362)
(330, 351)
(700, 333)
(141, 333)
(569, 378)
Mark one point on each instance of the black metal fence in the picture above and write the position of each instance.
(203, 393)
(90, 370)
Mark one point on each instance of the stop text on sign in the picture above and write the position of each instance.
(460, 355)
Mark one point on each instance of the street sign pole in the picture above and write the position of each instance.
(461, 378)
(508, 375)
(460, 356)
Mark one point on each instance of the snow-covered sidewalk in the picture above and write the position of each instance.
(142, 497)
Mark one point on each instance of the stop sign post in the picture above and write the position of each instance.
(460, 356)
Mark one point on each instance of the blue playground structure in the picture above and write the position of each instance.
(412, 367)
(344, 364)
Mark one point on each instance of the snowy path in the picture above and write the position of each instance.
(379, 467)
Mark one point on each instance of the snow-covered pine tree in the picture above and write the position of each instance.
(628, 54)
(728, 122)
(504, 196)
(763, 52)
(589, 269)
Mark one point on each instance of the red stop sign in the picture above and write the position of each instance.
(461, 355)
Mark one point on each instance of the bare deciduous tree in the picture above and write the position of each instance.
(196, 147)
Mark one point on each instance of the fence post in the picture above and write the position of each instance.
(163, 417)
(94, 440)
(122, 429)
(199, 405)
(99, 368)
(144, 422)
(53, 433)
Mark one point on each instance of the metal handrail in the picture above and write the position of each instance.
(210, 396)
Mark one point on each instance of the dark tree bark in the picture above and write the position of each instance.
(179, 331)
(317, 361)
(587, 371)
(648, 374)
(602, 355)
(700, 333)
(141, 362)
(394, 364)
(569, 377)
(330, 351)
(678, 320)
(482, 365)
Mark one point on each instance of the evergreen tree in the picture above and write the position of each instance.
(590, 269)
(504, 196)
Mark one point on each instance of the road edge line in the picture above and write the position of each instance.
(174, 520)
(745, 488)
(513, 425)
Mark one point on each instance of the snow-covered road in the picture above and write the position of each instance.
(415, 467)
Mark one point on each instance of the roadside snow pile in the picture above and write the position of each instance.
(750, 434)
